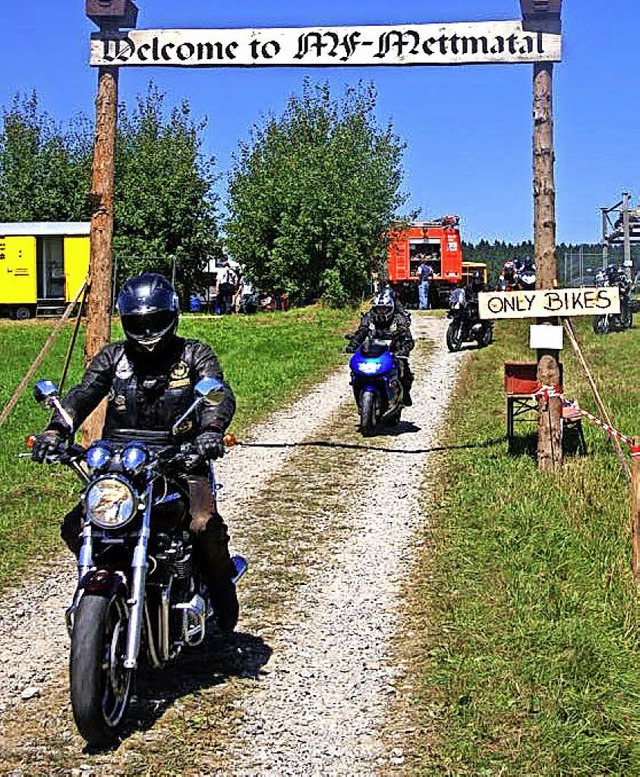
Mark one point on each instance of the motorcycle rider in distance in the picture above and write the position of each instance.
(473, 289)
(385, 321)
(148, 381)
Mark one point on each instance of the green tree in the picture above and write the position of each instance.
(312, 195)
(44, 171)
(165, 211)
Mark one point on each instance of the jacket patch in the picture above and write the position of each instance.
(124, 370)
(179, 371)
(173, 384)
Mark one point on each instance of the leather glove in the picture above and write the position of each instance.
(46, 444)
(351, 348)
(210, 444)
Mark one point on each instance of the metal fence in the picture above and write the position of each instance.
(578, 268)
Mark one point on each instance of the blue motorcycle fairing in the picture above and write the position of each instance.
(369, 366)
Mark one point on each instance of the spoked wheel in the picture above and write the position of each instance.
(100, 684)
(454, 336)
(601, 325)
(367, 412)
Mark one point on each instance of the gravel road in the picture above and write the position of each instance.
(319, 706)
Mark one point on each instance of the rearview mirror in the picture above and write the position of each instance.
(44, 390)
(210, 389)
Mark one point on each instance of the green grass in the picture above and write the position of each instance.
(268, 359)
(529, 664)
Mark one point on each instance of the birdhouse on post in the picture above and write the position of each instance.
(113, 14)
(545, 11)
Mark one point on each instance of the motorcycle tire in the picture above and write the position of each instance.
(601, 325)
(100, 685)
(393, 419)
(486, 337)
(367, 412)
(454, 336)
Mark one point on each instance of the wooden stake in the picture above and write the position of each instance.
(544, 200)
(98, 330)
(635, 509)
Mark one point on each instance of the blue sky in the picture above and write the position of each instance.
(468, 129)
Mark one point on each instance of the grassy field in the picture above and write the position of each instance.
(523, 625)
(267, 358)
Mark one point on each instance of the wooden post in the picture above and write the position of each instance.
(102, 195)
(635, 508)
(544, 199)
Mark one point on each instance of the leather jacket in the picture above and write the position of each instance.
(149, 393)
(398, 331)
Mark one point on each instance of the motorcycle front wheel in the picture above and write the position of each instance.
(367, 412)
(486, 337)
(601, 325)
(454, 336)
(99, 683)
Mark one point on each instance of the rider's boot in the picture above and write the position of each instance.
(211, 547)
(407, 382)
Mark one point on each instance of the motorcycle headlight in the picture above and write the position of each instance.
(98, 456)
(110, 503)
(369, 368)
(134, 457)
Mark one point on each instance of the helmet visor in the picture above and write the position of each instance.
(148, 325)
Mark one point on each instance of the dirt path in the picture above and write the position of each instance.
(326, 518)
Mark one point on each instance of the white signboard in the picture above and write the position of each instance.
(544, 303)
(409, 44)
(545, 336)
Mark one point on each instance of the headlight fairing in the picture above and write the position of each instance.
(110, 502)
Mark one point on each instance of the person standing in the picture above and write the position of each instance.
(227, 281)
(425, 275)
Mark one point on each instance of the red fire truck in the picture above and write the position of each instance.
(438, 242)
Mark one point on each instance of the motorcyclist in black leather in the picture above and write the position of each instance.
(386, 322)
(148, 382)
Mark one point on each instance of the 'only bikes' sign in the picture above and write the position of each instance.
(418, 44)
(549, 302)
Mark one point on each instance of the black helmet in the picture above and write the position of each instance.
(477, 281)
(383, 307)
(149, 310)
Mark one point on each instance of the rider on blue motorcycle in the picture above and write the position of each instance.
(148, 380)
(386, 322)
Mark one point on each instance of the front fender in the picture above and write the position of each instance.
(103, 582)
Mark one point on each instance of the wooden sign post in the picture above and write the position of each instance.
(547, 13)
(109, 15)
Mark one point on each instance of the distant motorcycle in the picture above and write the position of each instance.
(527, 275)
(614, 322)
(140, 597)
(466, 324)
(375, 380)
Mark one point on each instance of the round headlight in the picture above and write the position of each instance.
(134, 457)
(110, 503)
(98, 456)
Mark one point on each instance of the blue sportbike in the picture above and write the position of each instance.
(375, 379)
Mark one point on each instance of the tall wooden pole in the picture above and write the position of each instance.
(544, 199)
(102, 195)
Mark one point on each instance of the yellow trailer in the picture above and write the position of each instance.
(42, 266)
